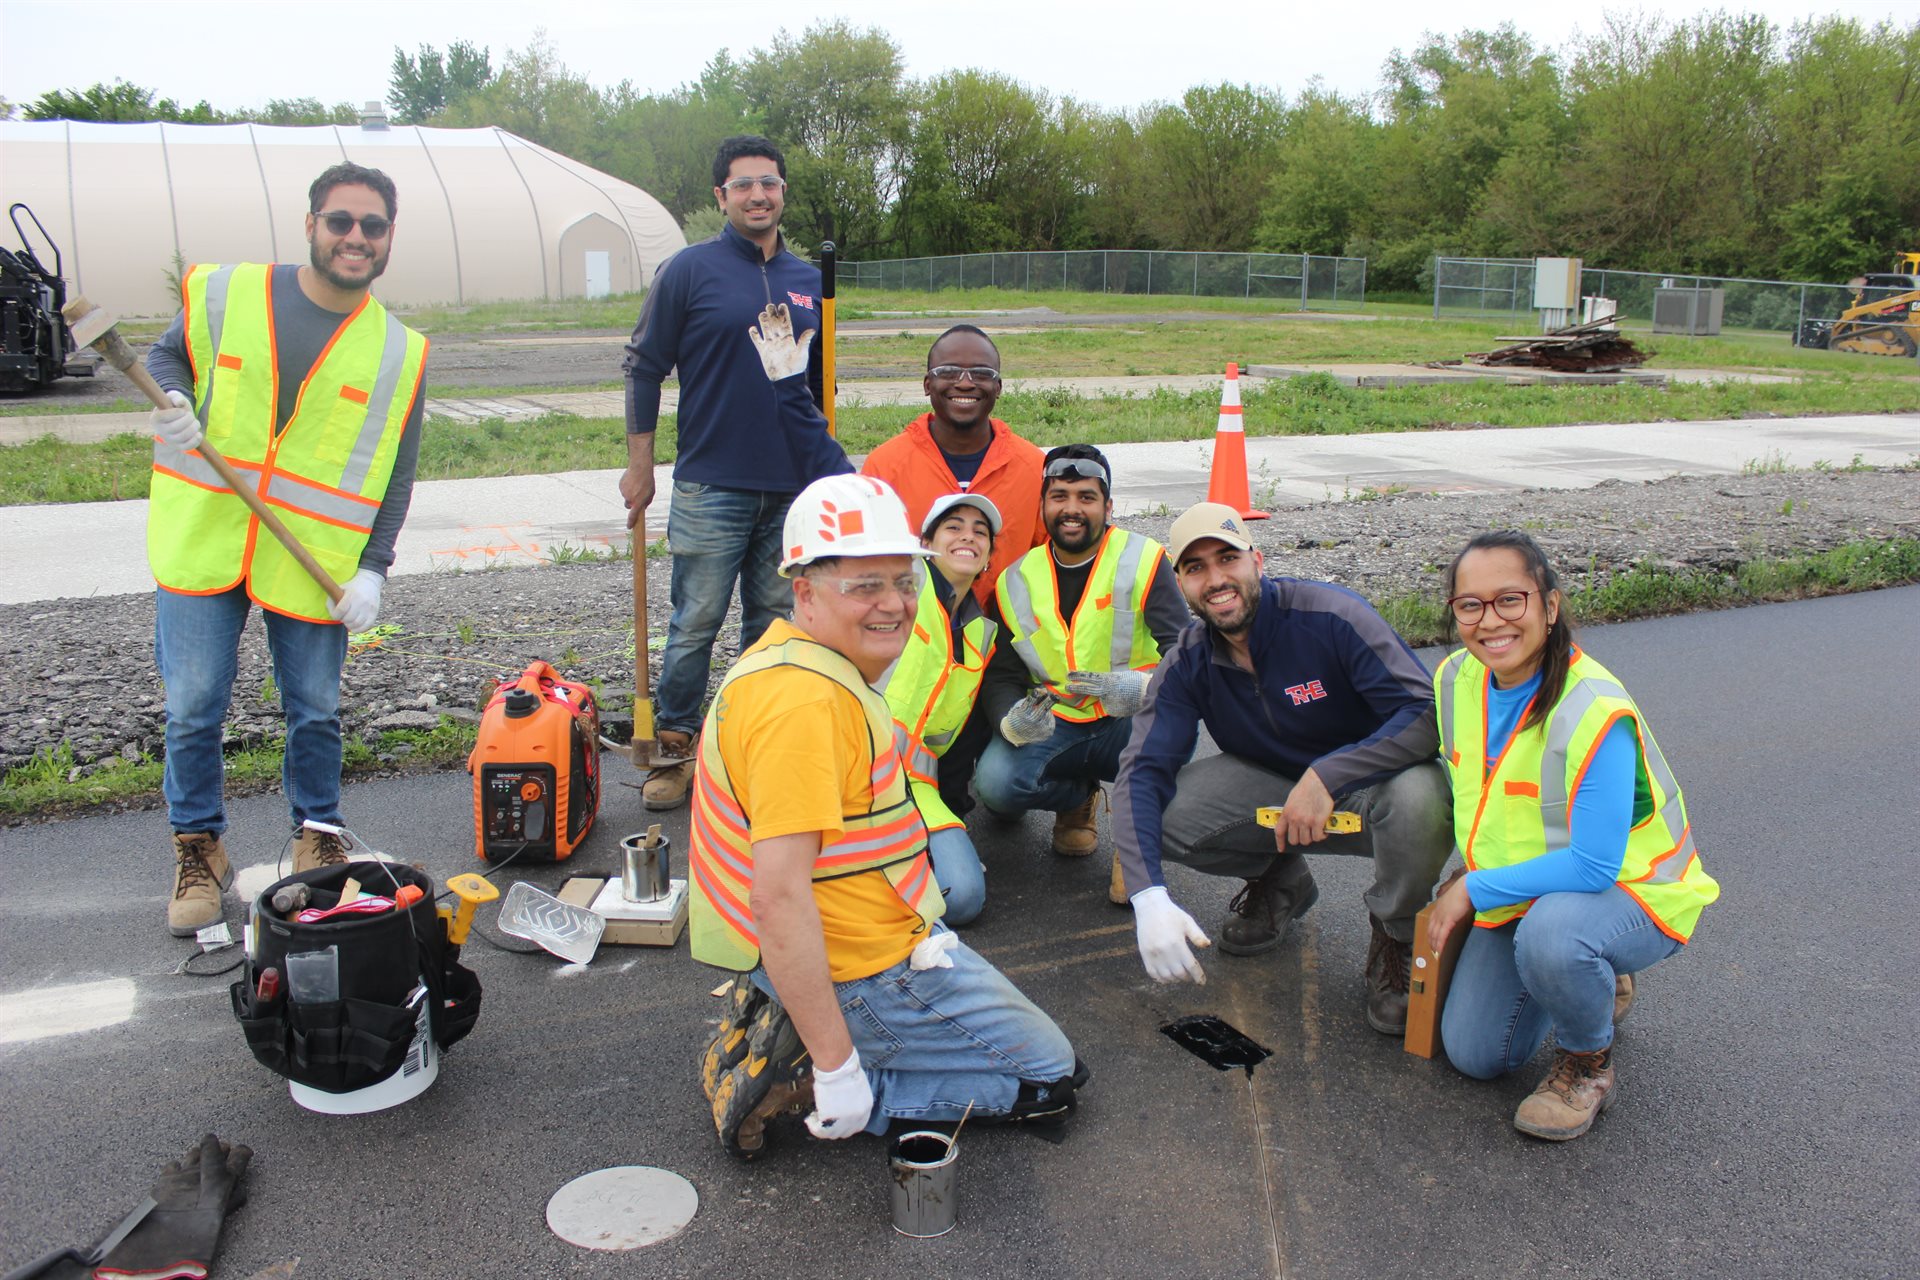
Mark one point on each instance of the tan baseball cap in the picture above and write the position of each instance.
(1207, 520)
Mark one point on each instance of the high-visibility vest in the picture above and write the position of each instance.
(325, 473)
(931, 690)
(1107, 631)
(887, 836)
(1517, 807)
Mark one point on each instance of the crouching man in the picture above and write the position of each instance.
(811, 876)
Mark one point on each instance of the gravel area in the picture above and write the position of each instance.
(81, 671)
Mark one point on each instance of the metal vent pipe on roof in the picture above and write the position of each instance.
(374, 116)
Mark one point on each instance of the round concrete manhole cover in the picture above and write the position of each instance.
(628, 1207)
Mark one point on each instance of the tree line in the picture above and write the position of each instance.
(1720, 145)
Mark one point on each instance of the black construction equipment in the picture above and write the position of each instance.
(35, 344)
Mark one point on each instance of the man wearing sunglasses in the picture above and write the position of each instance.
(306, 383)
(1313, 700)
(812, 880)
(1085, 618)
(737, 315)
(958, 446)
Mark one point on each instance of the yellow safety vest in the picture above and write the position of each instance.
(1516, 807)
(887, 836)
(325, 473)
(1107, 631)
(931, 690)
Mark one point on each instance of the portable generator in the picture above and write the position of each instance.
(536, 767)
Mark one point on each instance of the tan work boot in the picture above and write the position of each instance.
(200, 872)
(312, 849)
(1623, 992)
(1117, 887)
(669, 782)
(1077, 831)
(1575, 1092)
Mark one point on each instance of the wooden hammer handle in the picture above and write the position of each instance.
(120, 356)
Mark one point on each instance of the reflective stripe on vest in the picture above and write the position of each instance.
(1518, 807)
(1105, 633)
(930, 689)
(325, 472)
(888, 836)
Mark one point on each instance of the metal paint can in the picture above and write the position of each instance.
(647, 873)
(925, 1170)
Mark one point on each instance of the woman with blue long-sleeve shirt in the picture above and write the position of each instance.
(1581, 865)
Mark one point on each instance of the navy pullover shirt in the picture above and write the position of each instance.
(736, 428)
(1334, 689)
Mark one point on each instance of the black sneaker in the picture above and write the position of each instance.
(730, 1046)
(1389, 964)
(1260, 914)
(775, 1074)
(1048, 1103)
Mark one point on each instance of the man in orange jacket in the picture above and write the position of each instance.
(959, 447)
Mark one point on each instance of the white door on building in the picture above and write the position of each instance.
(599, 273)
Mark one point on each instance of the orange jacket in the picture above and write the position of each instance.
(1009, 475)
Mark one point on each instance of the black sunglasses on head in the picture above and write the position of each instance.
(340, 222)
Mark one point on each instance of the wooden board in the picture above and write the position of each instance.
(1427, 991)
(580, 891)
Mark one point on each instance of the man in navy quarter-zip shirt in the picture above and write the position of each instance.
(1312, 698)
(739, 316)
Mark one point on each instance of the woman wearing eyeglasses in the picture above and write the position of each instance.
(1581, 868)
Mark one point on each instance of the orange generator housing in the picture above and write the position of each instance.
(536, 767)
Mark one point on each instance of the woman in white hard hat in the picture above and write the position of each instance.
(932, 689)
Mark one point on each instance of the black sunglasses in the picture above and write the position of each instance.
(340, 222)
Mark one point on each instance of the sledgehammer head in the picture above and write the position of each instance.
(94, 327)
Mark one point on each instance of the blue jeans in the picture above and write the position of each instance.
(934, 1040)
(1553, 968)
(957, 870)
(196, 642)
(1056, 773)
(718, 537)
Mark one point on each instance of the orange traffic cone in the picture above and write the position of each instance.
(1228, 483)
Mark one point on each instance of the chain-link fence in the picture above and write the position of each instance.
(1496, 287)
(1306, 280)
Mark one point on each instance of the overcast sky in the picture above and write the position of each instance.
(1118, 53)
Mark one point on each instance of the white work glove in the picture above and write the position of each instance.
(842, 1100)
(177, 424)
(1164, 930)
(1029, 720)
(1122, 693)
(359, 602)
(932, 951)
(781, 354)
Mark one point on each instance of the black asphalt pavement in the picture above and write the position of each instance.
(1766, 1125)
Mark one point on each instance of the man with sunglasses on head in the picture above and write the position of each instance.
(310, 387)
(1084, 619)
(958, 446)
(1314, 701)
(737, 315)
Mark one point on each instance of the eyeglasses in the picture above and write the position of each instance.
(1078, 469)
(973, 373)
(872, 590)
(1511, 605)
(340, 222)
(766, 182)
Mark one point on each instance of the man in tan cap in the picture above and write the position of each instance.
(1313, 699)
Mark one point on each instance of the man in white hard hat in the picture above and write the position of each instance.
(811, 878)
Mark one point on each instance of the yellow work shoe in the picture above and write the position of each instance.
(1077, 831)
(1117, 887)
(200, 872)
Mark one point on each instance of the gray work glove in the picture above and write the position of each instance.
(1029, 720)
(782, 352)
(1122, 693)
(192, 1197)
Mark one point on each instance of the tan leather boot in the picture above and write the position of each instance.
(1578, 1088)
(1077, 831)
(667, 785)
(1623, 993)
(313, 849)
(200, 872)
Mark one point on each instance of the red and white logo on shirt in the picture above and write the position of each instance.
(801, 299)
(1311, 691)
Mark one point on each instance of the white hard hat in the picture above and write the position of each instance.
(846, 516)
(947, 502)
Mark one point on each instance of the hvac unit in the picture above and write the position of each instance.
(1695, 312)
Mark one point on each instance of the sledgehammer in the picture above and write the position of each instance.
(95, 327)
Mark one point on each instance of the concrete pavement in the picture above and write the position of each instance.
(96, 548)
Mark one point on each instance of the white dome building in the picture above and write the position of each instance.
(483, 215)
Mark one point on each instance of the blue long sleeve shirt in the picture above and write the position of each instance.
(737, 428)
(1598, 818)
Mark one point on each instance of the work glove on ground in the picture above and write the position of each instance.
(1164, 930)
(192, 1198)
(359, 602)
(842, 1100)
(781, 354)
(1029, 720)
(177, 424)
(1121, 693)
